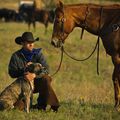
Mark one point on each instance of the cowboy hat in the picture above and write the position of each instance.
(26, 36)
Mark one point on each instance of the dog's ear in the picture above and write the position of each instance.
(30, 68)
(40, 66)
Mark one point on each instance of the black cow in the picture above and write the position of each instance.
(7, 14)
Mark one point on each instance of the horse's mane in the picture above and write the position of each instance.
(109, 6)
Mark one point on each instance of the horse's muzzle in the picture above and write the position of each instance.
(56, 43)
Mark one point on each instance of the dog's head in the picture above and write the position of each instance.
(34, 68)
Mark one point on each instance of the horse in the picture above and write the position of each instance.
(31, 15)
(26, 12)
(100, 20)
(41, 16)
(44, 16)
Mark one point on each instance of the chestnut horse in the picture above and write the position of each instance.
(100, 20)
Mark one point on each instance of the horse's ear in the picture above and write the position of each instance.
(60, 4)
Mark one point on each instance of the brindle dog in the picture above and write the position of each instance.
(20, 91)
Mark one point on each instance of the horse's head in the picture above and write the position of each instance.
(63, 25)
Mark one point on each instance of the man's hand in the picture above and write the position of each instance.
(28, 63)
(29, 76)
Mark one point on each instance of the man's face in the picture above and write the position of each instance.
(28, 45)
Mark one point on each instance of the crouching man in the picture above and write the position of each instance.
(27, 55)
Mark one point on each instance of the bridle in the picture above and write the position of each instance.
(84, 23)
(61, 42)
(96, 46)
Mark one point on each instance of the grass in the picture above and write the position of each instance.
(83, 95)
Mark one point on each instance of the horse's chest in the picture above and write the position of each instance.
(111, 42)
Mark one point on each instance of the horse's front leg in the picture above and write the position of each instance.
(116, 87)
(116, 82)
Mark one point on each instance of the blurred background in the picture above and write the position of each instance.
(49, 3)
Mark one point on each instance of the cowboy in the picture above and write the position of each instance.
(25, 56)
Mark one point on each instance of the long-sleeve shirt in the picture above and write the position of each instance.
(18, 62)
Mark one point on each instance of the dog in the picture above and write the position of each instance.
(19, 93)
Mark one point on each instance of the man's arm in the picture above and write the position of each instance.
(43, 62)
(13, 69)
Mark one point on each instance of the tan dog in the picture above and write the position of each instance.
(20, 91)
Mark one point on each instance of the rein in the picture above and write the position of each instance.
(96, 47)
(63, 51)
(99, 32)
(59, 63)
(97, 43)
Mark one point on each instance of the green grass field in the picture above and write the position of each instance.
(83, 95)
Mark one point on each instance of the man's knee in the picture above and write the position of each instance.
(47, 78)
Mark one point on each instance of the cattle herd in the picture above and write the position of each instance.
(28, 14)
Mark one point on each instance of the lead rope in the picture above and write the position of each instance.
(62, 30)
(83, 58)
(98, 49)
(63, 51)
(59, 63)
(97, 46)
